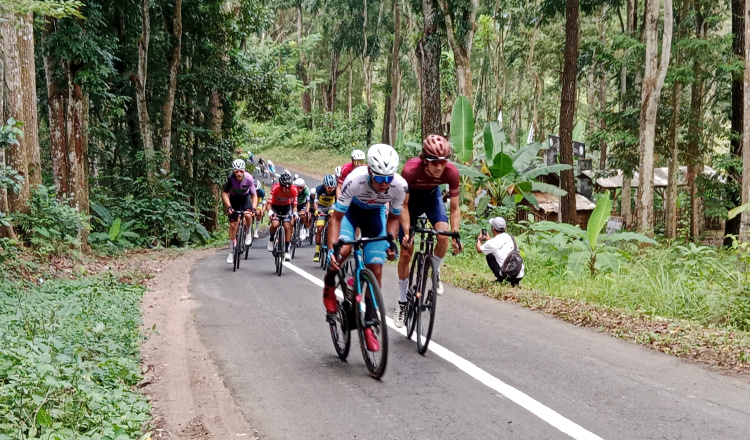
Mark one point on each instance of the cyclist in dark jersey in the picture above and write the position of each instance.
(325, 197)
(303, 206)
(239, 195)
(259, 210)
(424, 175)
(281, 203)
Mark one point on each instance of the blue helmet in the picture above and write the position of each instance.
(329, 180)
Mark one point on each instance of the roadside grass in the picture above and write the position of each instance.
(70, 352)
(316, 163)
(694, 308)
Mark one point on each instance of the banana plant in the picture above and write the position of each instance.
(508, 172)
(588, 248)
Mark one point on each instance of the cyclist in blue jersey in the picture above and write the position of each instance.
(362, 204)
(239, 195)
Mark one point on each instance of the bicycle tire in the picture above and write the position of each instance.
(427, 305)
(341, 334)
(370, 291)
(237, 250)
(323, 247)
(311, 233)
(295, 238)
(410, 320)
(279, 246)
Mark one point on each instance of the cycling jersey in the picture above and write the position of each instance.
(357, 191)
(279, 197)
(302, 196)
(417, 178)
(346, 169)
(261, 194)
(324, 199)
(237, 188)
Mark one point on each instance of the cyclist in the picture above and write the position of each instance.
(259, 210)
(303, 206)
(271, 169)
(239, 195)
(362, 205)
(325, 197)
(281, 203)
(337, 171)
(424, 175)
(358, 159)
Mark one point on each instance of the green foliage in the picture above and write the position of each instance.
(52, 226)
(69, 359)
(118, 235)
(462, 130)
(10, 132)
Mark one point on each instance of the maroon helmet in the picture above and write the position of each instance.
(436, 146)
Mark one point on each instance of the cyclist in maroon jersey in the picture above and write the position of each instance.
(358, 159)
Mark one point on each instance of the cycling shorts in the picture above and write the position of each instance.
(371, 222)
(429, 203)
(282, 210)
(323, 212)
(240, 203)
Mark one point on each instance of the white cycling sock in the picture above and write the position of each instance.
(402, 285)
(231, 245)
(438, 263)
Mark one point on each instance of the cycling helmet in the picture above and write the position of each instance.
(258, 184)
(435, 145)
(285, 179)
(382, 159)
(238, 164)
(337, 171)
(329, 180)
(358, 155)
(300, 182)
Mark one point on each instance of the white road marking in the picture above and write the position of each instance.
(538, 409)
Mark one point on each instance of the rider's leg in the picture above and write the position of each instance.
(442, 245)
(288, 235)
(403, 272)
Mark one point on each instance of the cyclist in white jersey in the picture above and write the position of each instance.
(362, 204)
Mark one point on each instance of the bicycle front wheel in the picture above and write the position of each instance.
(412, 301)
(279, 245)
(340, 322)
(427, 304)
(374, 319)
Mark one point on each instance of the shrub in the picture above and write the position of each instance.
(52, 226)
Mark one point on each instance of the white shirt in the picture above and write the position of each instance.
(500, 246)
(356, 189)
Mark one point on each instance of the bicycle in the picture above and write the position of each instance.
(324, 244)
(296, 242)
(278, 244)
(421, 294)
(361, 307)
(240, 247)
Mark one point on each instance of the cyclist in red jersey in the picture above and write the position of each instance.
(358, 159)
(424, 175)
(281, 203)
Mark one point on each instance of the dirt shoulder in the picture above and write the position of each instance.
(185, 387)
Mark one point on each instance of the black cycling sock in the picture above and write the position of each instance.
(286, 247)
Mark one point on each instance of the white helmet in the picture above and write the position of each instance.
(239, 164)
(337, 171)
(358, 155)
(299, 182)
(382, 159)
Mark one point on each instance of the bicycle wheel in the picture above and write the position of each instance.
(340, 323)
(251, 231)
(324, 247)
(412, 302)
(295, 239)
(374, 360)
(279, 250)
(311, 233)
(427, 305)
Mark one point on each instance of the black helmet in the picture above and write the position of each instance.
(285, 179)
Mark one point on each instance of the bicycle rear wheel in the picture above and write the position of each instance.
(237, 249)
(375, 361)
(427, 305)
(340, 322)
(295, 239)
(324, 248)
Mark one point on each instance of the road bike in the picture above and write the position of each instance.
(324, 244)
(421, 293)
(361, 307)
(278, 243)
(296, 242)
(240, 247)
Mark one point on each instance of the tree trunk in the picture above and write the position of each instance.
(567, 112)
(329, 95)
(16, 155)
(429, 56)
(653, 79)
(168, 107)
(695, 159)
(57, 125)
(302, 66)
(351, 85)
(672, 185)
(28, 85)
(732, 227)
(745, 216)
(626, 208)
(139, 80)
(461, 48)
(391, 127)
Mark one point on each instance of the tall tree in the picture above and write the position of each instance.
(139, 80)
(736, 137)
(460, 25)
(175, 27)
(567, 111)
(28, 85)
(429, 56)
(390, 122)
(745, 221)
(654, 75)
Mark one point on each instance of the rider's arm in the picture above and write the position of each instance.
(334, 227)
(404, 218)
(225, 199)
(455, 214)
(255, 201)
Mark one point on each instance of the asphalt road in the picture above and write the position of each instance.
(494, 370)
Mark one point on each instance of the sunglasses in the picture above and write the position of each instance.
(436, 160)
(382, 179)
(357, 163)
